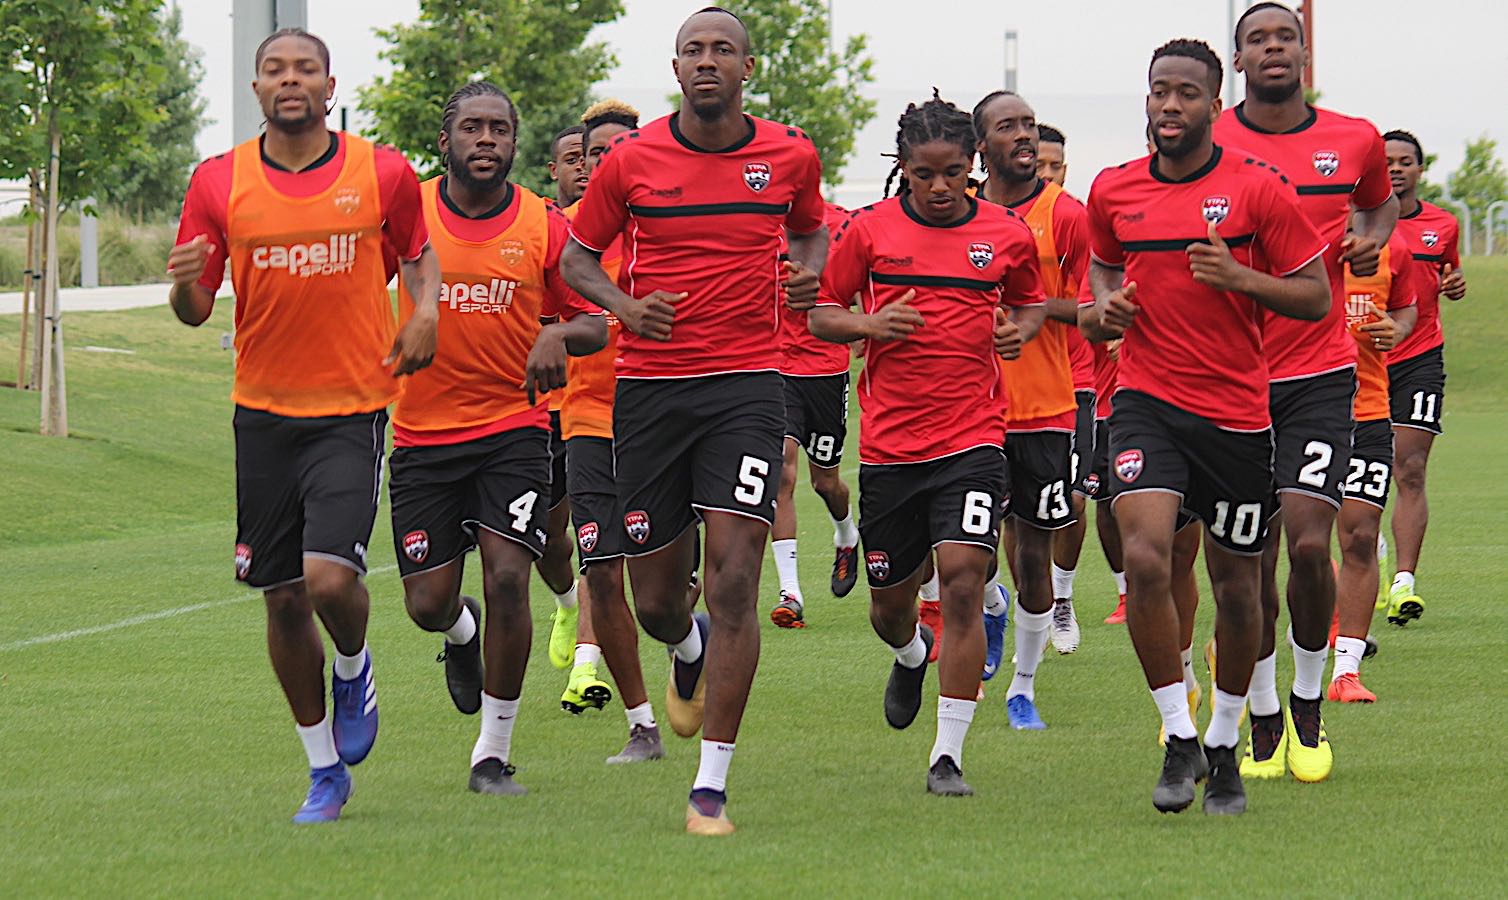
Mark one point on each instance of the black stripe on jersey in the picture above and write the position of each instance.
(1159, 246)
(1430, 257)
(941, 281)
(709, 209)
(1304, 189)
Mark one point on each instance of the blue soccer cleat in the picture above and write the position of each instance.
(994, 635)
(355, 725)
(329, 789)
(1023, 714)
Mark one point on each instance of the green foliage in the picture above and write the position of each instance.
(533, 49)
(130, 251)
(1427, 190)
(1480, 180)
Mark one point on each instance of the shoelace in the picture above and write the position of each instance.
(1062, 616)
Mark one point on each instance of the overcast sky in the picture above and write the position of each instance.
(1082, 64)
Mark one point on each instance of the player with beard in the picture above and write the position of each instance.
(702, 199)
(1416, 367)
(471, 436)
(1337, 165)
(1042, 409)
(301, 214)
(1188, 245)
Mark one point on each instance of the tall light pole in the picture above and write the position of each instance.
(1012, 57)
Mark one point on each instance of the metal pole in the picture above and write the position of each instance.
(1012, 53)
(1464, 218)
(251, 21)
(1492, 214)
(39, 276)
(88, 246)
(54, 402)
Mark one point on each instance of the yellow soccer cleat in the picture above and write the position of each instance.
(1309, 756)
(1404, 607)
(1266, 754)
(585, 690)
(563, 636)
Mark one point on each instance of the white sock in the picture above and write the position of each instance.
(1348, 651)
(1031, 638)
(915, 651)
(845, 532)
(496, 739)
(930, 588)
(713, 772)
(1190, 683)
(994, 598)
(689, 650)
(1225, 720)
(464, 629)
(1120, 582)
(643, 714)
(319, 743)
(568, 599)
(785, 566)
(349, 667)
(953, 718)
(1062, 582)
(1263, 692)
(1308, 670)
(588, 653)
(1173, 704)
(1382, 546)
(1403, 583)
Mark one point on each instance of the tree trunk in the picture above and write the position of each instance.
(39, 283)
(54, 386)
(24, 379)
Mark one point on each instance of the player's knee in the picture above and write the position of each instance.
(328, 582)
(506, 590)
(826, 482)
(604, 581)
(288, 603)
(1409, 471)
(1148, 563)
(1309, 548)
(1358, 541)
(429, 608)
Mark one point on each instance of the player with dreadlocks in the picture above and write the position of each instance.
(947, 286)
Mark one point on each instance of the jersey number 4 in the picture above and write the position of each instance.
(522, 510)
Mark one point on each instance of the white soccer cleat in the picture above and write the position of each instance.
(1065, 627)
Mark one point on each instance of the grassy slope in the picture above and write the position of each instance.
(158, 758)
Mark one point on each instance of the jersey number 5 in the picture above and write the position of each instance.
(752, 472)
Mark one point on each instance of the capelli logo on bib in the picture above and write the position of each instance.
(335, 256)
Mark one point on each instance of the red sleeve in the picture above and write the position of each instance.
(204, 213)
(1405, 289)
(847, 269)
(402, 210)
(1103, 245)
(1373, 188)
(560, 300)
(808, 211)
(1022, 284)
(1070, 234)
(603, 210)
(1452, 253)
(1287, 239)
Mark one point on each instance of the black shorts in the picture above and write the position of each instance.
(1371, 463)
(1083, 442)
(304, 487)
(1416, 391)
(816, 416)
(1097, 479)
(594, 499)
(442, 495)
(683, 446)
(1223, 477)
(906, 510)
(1040, 479)
(557, 461)
(1312, 424)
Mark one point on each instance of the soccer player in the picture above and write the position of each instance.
(815, 374)
(702, 198)
(471, 437)
(1380, 311)
(1042, 408)
(935, 270)
(1188, 245)
(1416, 367)
(300, 214)
(607, 629)
(568, 165)
(1336, 164)
(1052, 158)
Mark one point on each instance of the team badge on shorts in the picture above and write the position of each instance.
(416, 546)
(636, 524)
(878, 562)
(586, 536)
(757, 176)
(1326, 162)
(1216, 209)
(1092, 484)
(1430, 238)
(981, 254)
(243, 561)
(1128, 465)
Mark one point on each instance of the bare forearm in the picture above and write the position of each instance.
(810, 250)
(1063, 309)
(1406, 319)
(583, 334)
(1376, 223)
(837, 325)
(1302, 295)
(191, 303)
(422, 279)
(1029, 319)
(1103, 281)
(583, 271)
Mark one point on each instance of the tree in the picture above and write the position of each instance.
(533, 49)
(1480, 180)
(1426, 190)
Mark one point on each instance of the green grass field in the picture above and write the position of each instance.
(158, 757)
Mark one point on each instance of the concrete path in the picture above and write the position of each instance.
(96, 299)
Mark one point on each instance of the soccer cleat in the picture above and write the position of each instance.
(1065, 627)
(1266, 751)
(1022, 713)
(1118, 617)
(787, 613)
(994, 636)
(643, 744)
(355, 723)
(584, 690)
(707, 813)
(493, 776)
(929, 613)
(845, 570)
(329, 789)
(463, 665)
(1196, 696)
(1371, 650)
(1310, 758)
(1224, 795)
(903, 692)
(686, 689)
(1404, 608)
(945, 779)
(1183, 766)
(1349, 689)
(563, 636)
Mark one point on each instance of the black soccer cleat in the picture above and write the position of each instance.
(1183, 766)
(1224, 795)
(493, 776)
(945, 779)
(845, 570)
(903, 693)
(463, 665)
(1371, 649)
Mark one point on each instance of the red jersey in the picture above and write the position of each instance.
(1431, 234)
(1105, 367)
(1193, 346)
(937, 392)
(1391, 288)
(1334, 162)
(707, 223)
(1081, 358)
(803, 354)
